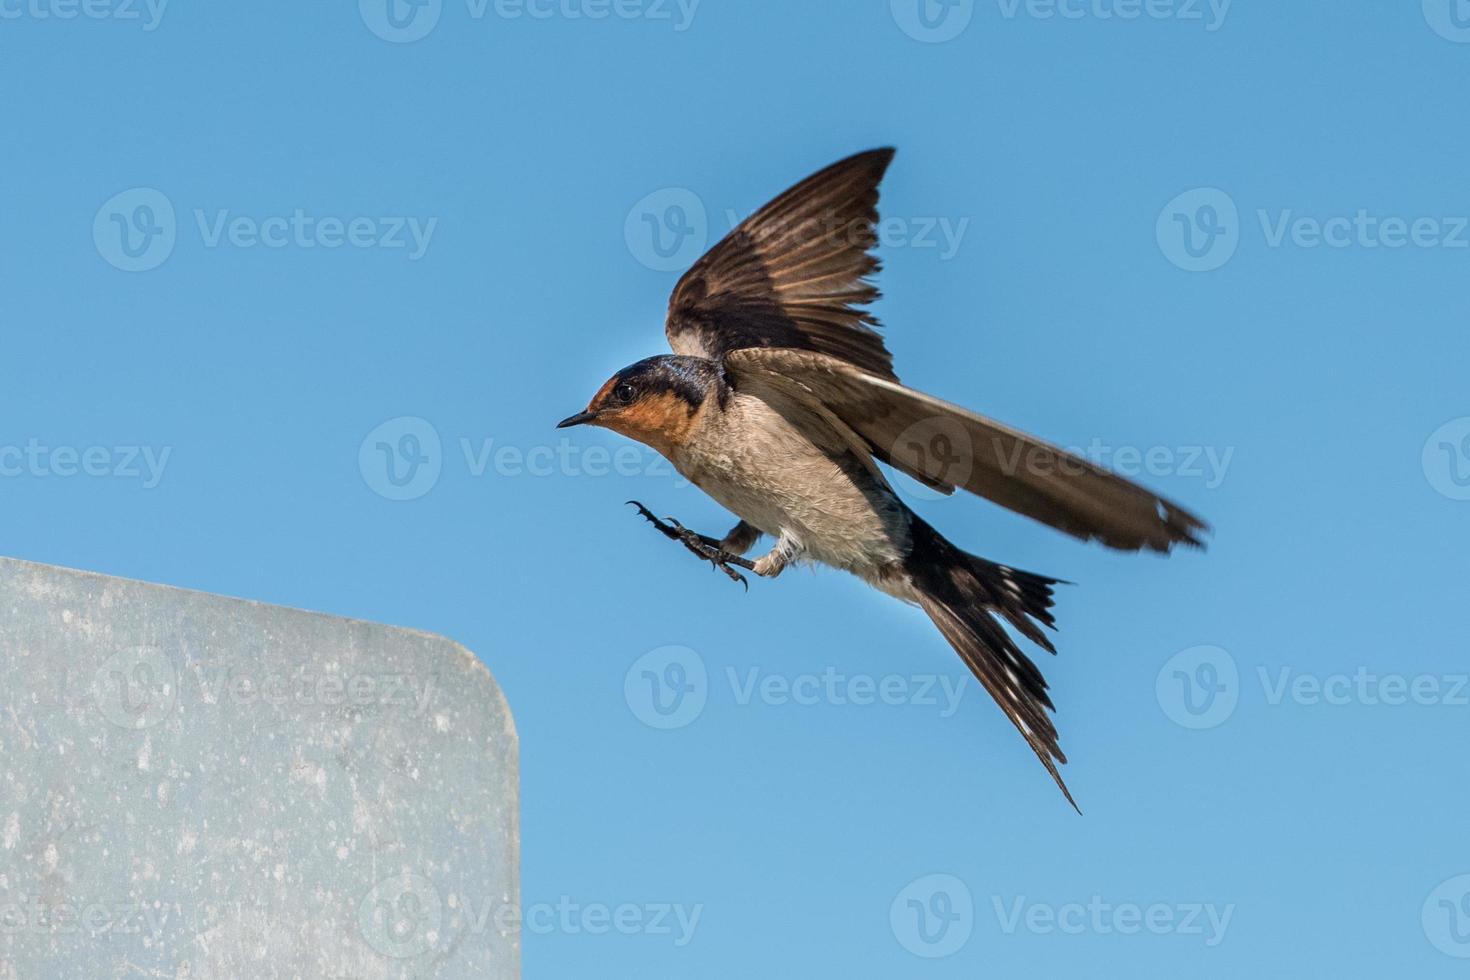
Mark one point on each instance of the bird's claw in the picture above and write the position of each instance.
(701, 546)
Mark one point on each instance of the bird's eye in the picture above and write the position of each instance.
(624, 393)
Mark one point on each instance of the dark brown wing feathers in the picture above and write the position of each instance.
(947, 446)
(793, 275)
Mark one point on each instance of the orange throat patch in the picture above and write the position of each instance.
(663, 421)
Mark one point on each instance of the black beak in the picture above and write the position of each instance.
(581, 418)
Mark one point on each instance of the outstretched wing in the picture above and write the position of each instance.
(946, 446)
(793, 275)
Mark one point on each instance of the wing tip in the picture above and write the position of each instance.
(884, 153)
(876, 161)
(1184, 529)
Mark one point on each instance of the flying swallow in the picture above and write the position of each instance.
(780, 402)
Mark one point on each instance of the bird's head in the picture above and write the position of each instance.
(655, 401)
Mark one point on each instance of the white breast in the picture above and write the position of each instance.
(801, 479)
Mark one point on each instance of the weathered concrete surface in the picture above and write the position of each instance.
(200, 787)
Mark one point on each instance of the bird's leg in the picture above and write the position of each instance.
(701, 545)
(698, 543)
(741, 539)
(787, 550)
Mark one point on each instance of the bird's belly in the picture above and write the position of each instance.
(831, 505)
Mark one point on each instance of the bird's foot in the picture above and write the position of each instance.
(700, 545)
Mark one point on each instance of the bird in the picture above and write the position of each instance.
(780, 401)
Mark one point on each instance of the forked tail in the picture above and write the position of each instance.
(968, 597)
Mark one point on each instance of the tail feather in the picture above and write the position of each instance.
(1030, 598)
(968, 598)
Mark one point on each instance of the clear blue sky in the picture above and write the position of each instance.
(1295, 370)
